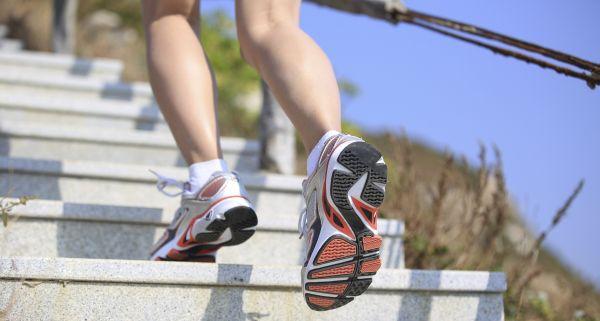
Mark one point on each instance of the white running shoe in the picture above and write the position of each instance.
(220, 214)
(339, 223)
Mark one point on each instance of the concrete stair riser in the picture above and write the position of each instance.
(37, 84)
(54, 229)
(11, 45)
(60, 65)
(118, 184)
(81, 112)
(102, 240)
(39, 140)
(61, 290)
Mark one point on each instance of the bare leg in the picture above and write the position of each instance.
(181, 76)
(295, 68)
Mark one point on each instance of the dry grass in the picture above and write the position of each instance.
(457, 217)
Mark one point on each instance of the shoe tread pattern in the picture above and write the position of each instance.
(358, 158)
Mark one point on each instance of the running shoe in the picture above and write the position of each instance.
(339, 222)
(220, 214)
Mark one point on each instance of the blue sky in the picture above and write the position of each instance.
(452, 95)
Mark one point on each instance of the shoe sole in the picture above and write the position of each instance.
(240, 220)
(347, 266)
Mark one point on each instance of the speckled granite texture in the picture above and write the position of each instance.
(60, 289)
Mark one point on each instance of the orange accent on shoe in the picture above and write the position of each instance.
(212, 188)
(364, 208)
(336, 249)
(341, 224)
(339, 270)
(370, 243)
(370, 266)
(321, 301)
(176, 255)
(333, 288)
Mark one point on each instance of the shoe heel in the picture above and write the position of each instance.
(242, 221)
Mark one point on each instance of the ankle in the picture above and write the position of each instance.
(200, 173)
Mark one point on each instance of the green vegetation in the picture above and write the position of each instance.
(235, 78)
(6, 207)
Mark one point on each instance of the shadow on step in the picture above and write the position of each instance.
(93, 239)
(226, 303)
(148, 117)
(420, 306)
(23, 184)
(409, 304)
(81, 67)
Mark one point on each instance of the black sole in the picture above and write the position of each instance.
(238, 220)
(359, 158)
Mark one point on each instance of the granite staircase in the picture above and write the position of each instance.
(81, 141)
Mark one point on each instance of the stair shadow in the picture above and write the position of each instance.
(148, 118)
(81, 67)
(487, 305)
(12, 185)
(86, 238)
(227, 302)
(117, 90)
(4, 145)
(418, 307)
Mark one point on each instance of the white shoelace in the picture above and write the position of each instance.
(164, 182)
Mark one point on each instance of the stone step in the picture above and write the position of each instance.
(81, 112)
(83, 289)
(133, 185)
(11, 45)
(54, 229)
(60, 65)
(43, 140)
(69, 87)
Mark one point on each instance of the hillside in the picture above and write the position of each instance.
(458, 215)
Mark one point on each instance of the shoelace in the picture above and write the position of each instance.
(163, 182)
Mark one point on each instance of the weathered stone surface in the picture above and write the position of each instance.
(69, 87)
(119, 184)
(61, 65)
(60, 289)
(81, 112)
(55, 229)
(42, 140)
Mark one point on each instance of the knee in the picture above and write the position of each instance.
(156, 9)
(250, 39)
(256, 36)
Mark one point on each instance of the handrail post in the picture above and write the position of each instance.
(277, 136)
(63, 26)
